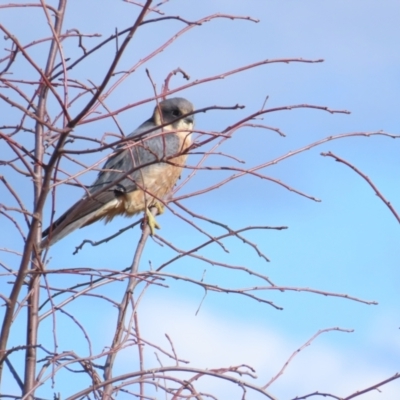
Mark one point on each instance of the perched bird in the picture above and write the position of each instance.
(137, 175)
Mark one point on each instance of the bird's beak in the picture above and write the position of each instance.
(189, 119)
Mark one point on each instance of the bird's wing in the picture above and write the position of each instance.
(124, 172)
(127, 166)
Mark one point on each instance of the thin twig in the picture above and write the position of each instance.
(367, 179)
(306, 344)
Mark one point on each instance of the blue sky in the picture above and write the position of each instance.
(347, 243)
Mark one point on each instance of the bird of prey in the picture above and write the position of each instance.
(137, 175)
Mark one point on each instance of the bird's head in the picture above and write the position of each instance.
(175, 110)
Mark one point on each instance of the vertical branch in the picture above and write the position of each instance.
(123, 308)
(34, 283)
(140, 350)
(55, 30)
(41, 187)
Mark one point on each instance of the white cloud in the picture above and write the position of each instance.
(209, 341)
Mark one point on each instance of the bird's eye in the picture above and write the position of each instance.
(176, 113)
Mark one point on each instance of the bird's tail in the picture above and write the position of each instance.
(63, 227)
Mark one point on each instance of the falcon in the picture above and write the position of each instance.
(138, 175)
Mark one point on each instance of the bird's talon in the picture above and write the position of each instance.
(160, 207)
(151, 221)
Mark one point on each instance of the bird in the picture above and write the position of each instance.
(138, 175)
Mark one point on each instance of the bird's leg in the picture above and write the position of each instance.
(151, 220)
(160, 207)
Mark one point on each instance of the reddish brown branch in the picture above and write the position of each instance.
(373, 387)
(147, 132)
(115, 36)
(11, 59)
(367, 179)
(306, 344)
(17, 198)
(288, 155)
(226, 227)
(165, 88)
(123, 307)
(15, 5)
(140, 349)
(205, 244)
(154, 374)
(214, 262)
(250, 172)
(114, 63)
(316, 291)
(105, 240)
(13, 221)
(210, 79)
(354, 395)
(214, 288)
(38, 70)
